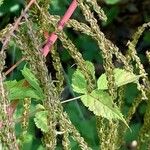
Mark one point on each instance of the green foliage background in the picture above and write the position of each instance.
(118, 28)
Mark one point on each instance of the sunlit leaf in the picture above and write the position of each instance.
(91, 68)
(40, 107)
(41, 120)
(79, 82)
(122, 77)
(10, 84)
(26, 88)
(101, 104)
(32, 80)
(19, 90)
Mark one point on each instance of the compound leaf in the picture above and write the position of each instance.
(122, 77)
(101, 104)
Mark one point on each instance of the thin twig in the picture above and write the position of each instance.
(17, 24)
(31, 114)
(72, 99)
(51, 39)
(14, 66)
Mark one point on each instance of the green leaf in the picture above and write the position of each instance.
(1, 2)
(122, 77)
(27, 138)
(21, 93)
(79, 83)
(10, 84)
(17, 90)
(101, 104)
(90, 125)
(112, 1)
(91, 68)
(41, 120)
(32, 80)
(40, 107)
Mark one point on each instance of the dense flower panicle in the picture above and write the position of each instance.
(29, 37)
(7, 134)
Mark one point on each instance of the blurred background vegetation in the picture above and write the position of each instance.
(124, 16)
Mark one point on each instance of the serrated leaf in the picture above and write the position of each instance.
(41, 120)
(122, 77)
(21, 93)
(79, 83)
(10, 84)
(32, 80)
(39, 106)
(17, 90)
(91, 68)
(101, 104)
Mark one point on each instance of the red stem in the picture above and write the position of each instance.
(53, 37)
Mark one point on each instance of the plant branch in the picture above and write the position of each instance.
(53, 37)
(17, 24)
(14, 66)
(72, 99)
(31, 114)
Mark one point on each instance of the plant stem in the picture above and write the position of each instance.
(72, 99)
(14, 66)
(53, 37)
(17, 24)
(31, 114)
